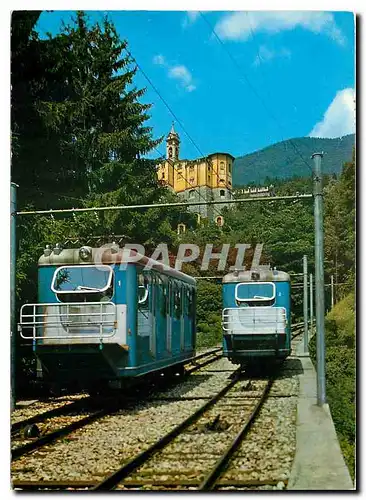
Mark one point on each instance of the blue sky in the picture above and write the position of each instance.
(300, 64)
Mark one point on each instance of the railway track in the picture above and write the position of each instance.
(54, 412)
(107, 406)
(226, 417)
(197, 451)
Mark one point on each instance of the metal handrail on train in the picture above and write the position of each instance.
(36, 324)
(239, 320)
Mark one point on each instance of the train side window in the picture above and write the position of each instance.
(168, 297)
(177, 300)
(184, 299)
(143, 291)
(188, 300)
(152, 294)
(162, 294)
(192, 302)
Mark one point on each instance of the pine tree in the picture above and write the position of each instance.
(98, 113)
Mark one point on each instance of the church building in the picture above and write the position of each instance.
(202, 179)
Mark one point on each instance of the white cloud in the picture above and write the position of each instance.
(183, 75)
(159, 59)
(265, 54)
(178, 72)
(339, 118)
(238, 25)
(190, 17)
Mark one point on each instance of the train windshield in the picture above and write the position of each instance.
(255, 293)
(83, 283)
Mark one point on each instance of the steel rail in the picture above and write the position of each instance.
(113, 405)
(209, 481)
(206, 353)
(203, 364)
(54, 412)
(298, 327)
(80, 484)
(67, 408)
(115, 478)
(54, 435)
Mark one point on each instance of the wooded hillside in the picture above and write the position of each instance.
(288, 159)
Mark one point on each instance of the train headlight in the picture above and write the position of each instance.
(58, 249)
(85, 253)
(47, 251)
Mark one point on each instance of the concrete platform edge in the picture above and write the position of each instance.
(318, 463)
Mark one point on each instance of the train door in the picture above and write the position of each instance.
(176, 317)
(192, 317)
(153, 286)
(187, 316)
(183, 316)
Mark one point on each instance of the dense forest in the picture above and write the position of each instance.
(291, 158)
(340, 322)
(80, 136)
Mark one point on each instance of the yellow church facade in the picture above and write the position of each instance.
(201, 179)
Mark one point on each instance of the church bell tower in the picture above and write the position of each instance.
(172, 145)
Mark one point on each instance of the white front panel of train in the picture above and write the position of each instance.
(84, 324)
(254, 320)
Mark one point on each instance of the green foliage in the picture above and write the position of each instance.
(81, 133)
(339, 227)
(340, 373)
(282, 161)
(208, 313)
(339, 250)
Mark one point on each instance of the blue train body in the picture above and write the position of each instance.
(256, 317)
(102, 318)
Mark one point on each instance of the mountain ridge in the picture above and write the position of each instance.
(292, 158)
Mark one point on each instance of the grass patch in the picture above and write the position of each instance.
(340, 358)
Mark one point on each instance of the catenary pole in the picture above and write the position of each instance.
(332, 289)
(13, 323)
(305, 303)
(311, 305)
(319, 278)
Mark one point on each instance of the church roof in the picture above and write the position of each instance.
(173, 133)
(221, 153)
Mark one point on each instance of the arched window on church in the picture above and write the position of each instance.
(170, 152)
(222, 165)
(181, 228)
(220, 221)
(163, 175)
(191, 194)
(222, 193)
